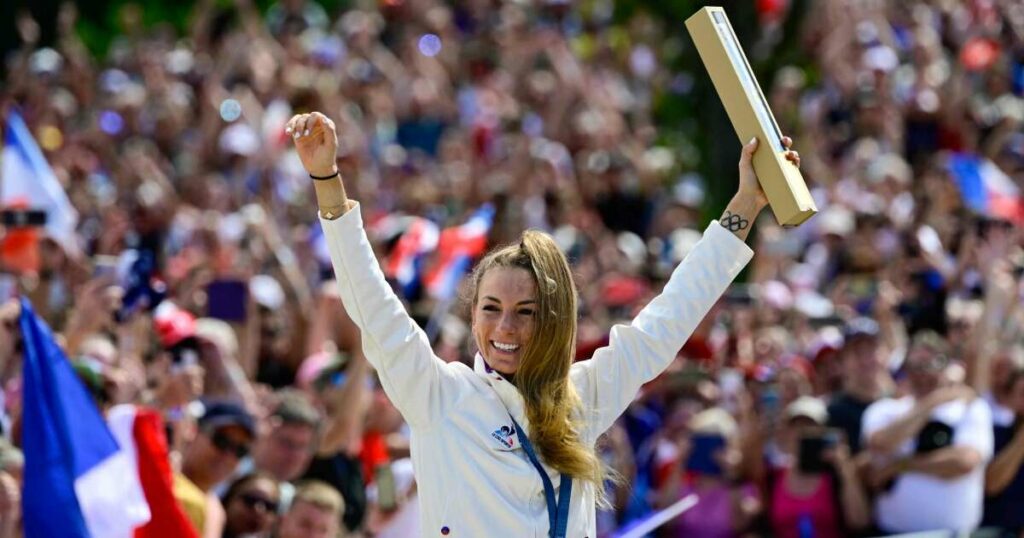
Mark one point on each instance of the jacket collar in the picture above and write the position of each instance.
(507, 392)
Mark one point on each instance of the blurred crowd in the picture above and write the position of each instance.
(866, 377)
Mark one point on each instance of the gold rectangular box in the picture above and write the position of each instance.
(750, 115)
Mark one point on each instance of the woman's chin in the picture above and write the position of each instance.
(502, 365)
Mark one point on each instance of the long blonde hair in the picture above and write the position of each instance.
(553, 406)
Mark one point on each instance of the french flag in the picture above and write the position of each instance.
(986, 189)
(140, 433)
(456, 249)
(81, 481)
(420, 238)
(27, 179)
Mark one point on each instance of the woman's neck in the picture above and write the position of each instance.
(511, 378)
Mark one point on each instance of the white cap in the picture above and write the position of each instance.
(218, 333)
(267, 291)
(808, 406)
(836, 220)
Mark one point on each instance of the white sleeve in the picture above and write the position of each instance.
(877, 416)
(638, 352)
(975, 430)
(394, 345)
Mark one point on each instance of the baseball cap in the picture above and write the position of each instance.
(807, 406)
(220, 413)
(267, 291)
(173, 324)
(825, 342)
(218, 333)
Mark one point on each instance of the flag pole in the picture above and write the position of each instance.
(660, 518)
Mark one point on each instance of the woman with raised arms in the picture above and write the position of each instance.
(506, 448)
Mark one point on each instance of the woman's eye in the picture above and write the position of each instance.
(526, 312)
(490, 308)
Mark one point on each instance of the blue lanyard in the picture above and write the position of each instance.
(558, 517)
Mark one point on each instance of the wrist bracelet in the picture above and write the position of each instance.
(318, 178)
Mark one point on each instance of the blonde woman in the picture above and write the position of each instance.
(507, 448)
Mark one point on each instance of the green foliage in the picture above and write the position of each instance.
(696, 119)
(101, 20)
(693, 123)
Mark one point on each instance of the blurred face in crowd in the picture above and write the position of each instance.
(253, 509)
(863, 362)
(503, 316)
(214, 454)
(792, 385)
(924, 367)
(307, 520)
(286, 451)
(797, 428)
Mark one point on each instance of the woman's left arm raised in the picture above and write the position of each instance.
(638, 352)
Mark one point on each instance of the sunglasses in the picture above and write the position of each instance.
(933, 364)
(254, 500)
(224, 443)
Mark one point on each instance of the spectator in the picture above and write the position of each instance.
(1004, 478)
(224, 436)
(928, 447)
(341, 385)
(865, 379)
(315, 513)
(997, 373)
(251, 505)
(342, 389)
(814, 489)
(726, 504)
(285, 450)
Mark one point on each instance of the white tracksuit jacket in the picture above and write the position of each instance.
(473, 477)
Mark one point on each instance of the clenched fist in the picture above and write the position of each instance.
(316, 141)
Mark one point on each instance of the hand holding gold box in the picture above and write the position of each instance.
(750, 115)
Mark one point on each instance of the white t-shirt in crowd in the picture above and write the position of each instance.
(920, 502)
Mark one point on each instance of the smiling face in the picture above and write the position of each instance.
(504, 313)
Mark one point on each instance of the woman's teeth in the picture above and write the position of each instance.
(508, 348)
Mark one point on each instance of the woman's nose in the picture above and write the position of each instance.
(507, 323)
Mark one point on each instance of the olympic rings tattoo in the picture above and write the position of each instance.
(733, 222)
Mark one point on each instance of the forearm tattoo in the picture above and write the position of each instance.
(733, 222)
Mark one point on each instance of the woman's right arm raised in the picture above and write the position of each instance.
(392, 342)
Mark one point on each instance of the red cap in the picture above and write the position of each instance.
(172, 324)
(978, 54)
